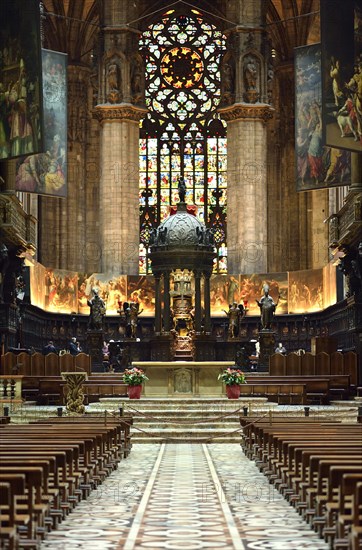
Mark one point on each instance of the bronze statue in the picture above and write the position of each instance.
(97, 311)
(235, 314)
(181, 189)
(131, 311)
(267, 308)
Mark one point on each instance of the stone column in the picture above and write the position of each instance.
(247, 187)
(244, 106)
(157, 305)
(197, 302)
(120, 107)
(119, 203)
(166, 301)
(207, 327)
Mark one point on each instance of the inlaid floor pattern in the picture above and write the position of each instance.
(184, 497)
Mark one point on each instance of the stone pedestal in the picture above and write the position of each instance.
(267, 347)
(95, 344)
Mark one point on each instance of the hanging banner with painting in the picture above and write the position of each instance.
(341, 73)
(316, 165)
(46, 173)
(21, 112)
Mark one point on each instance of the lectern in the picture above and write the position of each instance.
(75, 394)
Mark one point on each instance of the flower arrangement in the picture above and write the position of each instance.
(232, 376)
(134, 377)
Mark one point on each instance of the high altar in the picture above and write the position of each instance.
(183, 378)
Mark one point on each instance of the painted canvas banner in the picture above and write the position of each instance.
(341, 73)
(21, 111)
(316, 166)
(46, 173)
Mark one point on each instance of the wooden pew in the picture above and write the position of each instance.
(308, 462)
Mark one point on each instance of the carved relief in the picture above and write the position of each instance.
(115, 113)
(240, 111)
(183, 381)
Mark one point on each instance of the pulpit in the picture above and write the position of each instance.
(74, 393)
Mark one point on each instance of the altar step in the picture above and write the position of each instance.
(207, 419)
(184, 419)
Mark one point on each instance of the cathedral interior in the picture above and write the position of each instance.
(180, 201)
(130, 102)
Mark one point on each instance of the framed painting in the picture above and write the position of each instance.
(316, 165)
(46, 173)
(21, 109)
(341, 73)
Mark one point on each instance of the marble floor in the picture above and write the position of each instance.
(184, 497)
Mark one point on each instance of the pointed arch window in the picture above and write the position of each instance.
(182, 134)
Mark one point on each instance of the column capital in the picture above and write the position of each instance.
(117, 113)
(247, 111)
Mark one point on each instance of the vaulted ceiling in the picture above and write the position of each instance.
(72, 25)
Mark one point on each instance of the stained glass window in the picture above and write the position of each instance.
(182, 134)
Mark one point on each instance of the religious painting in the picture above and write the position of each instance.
(142, 291)
(329, 285)
(21, 111)
(305, 291)
(61, 291)
(46, 173)
(37, 285)
(251, 290)
(111, 288)
(316, 166)
(220, 293)
(341, 73)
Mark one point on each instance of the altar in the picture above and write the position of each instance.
(183, 378)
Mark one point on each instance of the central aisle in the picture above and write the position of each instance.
(184, 497)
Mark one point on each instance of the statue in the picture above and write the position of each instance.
(132, 312)
(250, 74)
(200, 232)
(235, 314)
(267, 308)
(181, 189)
(136, 80)
(161, 235)
(97, 311)
(153, 236)
(210, 237)
(113, 82)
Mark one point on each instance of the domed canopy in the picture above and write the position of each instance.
(181, 229)
(182, 241)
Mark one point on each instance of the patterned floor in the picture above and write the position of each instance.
(184, 497)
